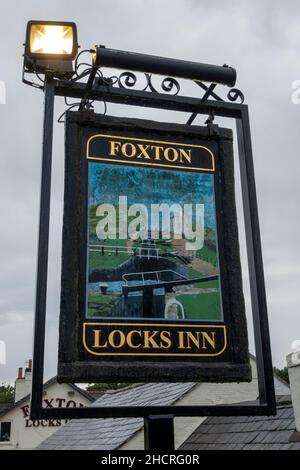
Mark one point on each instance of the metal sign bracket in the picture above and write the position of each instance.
(212, 105)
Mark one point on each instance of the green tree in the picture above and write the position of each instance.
(282, 373)
(106, 386)
(7, 393)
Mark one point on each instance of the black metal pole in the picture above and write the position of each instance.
(255, 262)
(43, 241)
(104, 57)
(159, 433)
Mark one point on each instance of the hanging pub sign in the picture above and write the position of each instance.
(151, 276)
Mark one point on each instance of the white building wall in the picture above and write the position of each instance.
(209, 394)
(26, 434)
(203, 394)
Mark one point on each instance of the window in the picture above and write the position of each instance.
(5, 429)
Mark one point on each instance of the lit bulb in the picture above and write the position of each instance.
(51, 39)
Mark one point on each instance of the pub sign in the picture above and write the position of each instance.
(151, 276)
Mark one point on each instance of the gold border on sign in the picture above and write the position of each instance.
(152, 354)
(146, 163)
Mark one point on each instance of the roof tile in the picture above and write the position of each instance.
(106, 434)
(247, 433)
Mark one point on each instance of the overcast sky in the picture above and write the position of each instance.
(260, 39)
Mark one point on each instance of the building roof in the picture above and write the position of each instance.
(248, 432)
(111, 433)
(6, 407)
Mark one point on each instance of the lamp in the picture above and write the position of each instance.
(50, 46)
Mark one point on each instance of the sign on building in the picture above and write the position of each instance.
(151, 276)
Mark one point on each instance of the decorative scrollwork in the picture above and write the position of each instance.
(234, 94)
(171, 86)
(167, 85)
(127, 80)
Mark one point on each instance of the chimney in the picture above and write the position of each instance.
(293, 364)
(23, 384)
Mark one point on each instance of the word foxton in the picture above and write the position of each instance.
(151, 152)
(136, 221)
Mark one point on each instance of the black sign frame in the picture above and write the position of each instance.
(266, 403)
(72, 366)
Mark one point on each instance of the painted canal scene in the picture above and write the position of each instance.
(152, 244)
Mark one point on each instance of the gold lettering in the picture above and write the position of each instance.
(114, 147)
(194, 339)
(129, 149)
(181, 340)
(166, 342)
(129, 339)
(156, 149)
(154, 339)
(112, 339)
(144, 153)
(210, 339)
(148, 152)
(187, 339)
(187, 154)
(149, 339)
(174, 154)
(97, 339)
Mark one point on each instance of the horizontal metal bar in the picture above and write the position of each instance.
(104, 57)
(148, 99)
(144, 411)
(170, 284)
